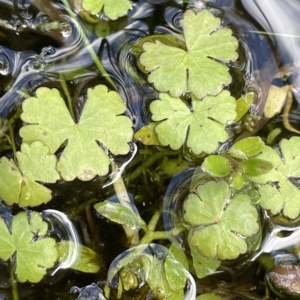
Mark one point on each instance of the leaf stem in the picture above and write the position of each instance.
(11, 139)
(14, 284)
(154, 220)
(121, 192)
(88, 45)
(66, 91)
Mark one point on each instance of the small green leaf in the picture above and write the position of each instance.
(216, 165)
(203, 266)
(170, 167)
(209, 296)
(88, 261)
(119, 214)
(277, 192)
(50, 122)
(34, 252)
(247, 147)
(256, 166)
(175, 273)
(198, 66)
(218, 222)
(243, 104)
(19, 185)
(179, 254)
(110, 8)
(238, 181)
(275, 100)
(201, 127)
(147, 135)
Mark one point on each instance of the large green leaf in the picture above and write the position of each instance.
(18, 185)
(111, 8)
(34, 252)
(50, 122)
(197, 68)
(218, 222)
(277, 192)
(202, 126)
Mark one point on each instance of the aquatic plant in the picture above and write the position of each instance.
(193, 118)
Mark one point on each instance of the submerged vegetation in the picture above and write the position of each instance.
(156, 177)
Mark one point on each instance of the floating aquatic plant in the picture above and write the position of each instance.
(49, 121)
(195, 65)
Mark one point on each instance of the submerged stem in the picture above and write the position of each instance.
(89, 46)
(14, 284)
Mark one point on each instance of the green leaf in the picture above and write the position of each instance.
(179, 254)
(175, 273)
(209, 296)
(247, 147)
(275, 100)
(256, 166)
(218, 226)
(110, 8)
(51, 123)
(216, 165)
(203, 266)
(170, 167)
(88, 261)
(147, 135)
(243, 104)
(119, 214)
(198, 67)
(34, 252)
(202, 126)
(18, 185)
(277, 192)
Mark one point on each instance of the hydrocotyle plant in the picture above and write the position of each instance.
(49, 121)
(194, 62)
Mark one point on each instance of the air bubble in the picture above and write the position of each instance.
(66, 29)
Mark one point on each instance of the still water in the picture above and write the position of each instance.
(41, 44)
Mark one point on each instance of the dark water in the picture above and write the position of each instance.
(32, 55)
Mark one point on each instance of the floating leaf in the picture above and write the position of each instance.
(275, 100)
(247, 147)
(197, 67)
(216, 165)
(18, 185)
(109, 7)
(202, 127)
(256, 166)
(89, 261)
(175, 273)
(119, 214)
(218, 227)
(34, 252)
(243, 104)
(179, 254)
(277, 192)
(204, 266)
(100, 121)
